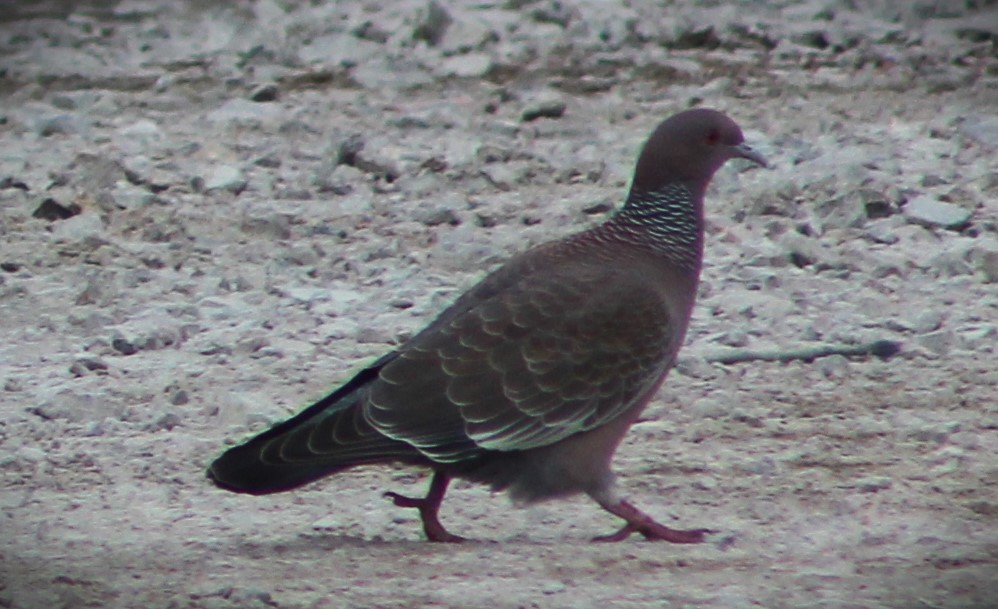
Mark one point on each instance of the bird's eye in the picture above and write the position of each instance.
(713, 137)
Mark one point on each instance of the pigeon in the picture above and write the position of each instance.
(529, 381)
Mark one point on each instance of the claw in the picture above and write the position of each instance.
(428, 508)
(639, 522)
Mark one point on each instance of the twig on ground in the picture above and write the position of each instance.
(883, 349)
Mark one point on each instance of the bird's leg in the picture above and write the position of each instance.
(428, 508)
(639, 522)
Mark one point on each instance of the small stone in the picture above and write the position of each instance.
(928, 321)
(939, 342)
(437, 216)
(83, 227)
(875, 203)
(225, 177)
(165, 423)
(433, 25)
(132, 197)
(985, 261)
(834, 366)
(872, 484)
(841, 212)
(52, 210)
(264, 93)
(544, 108)
(470, 65)
(931, 212)
(61, 124)
(124, 346)
(983, 129)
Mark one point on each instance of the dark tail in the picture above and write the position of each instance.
(329, 436)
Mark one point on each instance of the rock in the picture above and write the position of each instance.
(138, 136)
(52, 210)
(872, 484)
(834, 366)
(939, 342)
(470, 65)
(273, 226)
(845, 211)
(437, 216)
(240, 112)
(983, 256)
(124, 346)
(79, 228)
(982, 129)
(126, 196)
(60, 124)
(883, 231)
(927, 321)
(804, 251)
(433, 24)
(264, 93)
(544, 107)
(225, 177)
(78, 407)
(931, 212)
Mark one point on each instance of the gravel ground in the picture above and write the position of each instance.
(212, 212)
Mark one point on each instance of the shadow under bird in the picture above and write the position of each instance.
(530, 380)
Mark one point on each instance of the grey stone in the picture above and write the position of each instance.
(940, 342)
(846, 211)
(126, 196)
(60, 124)
(546, 106)
(872, 484)
(139, 135)
(78, 407)
(433, 23)
(244, 112)
(804, 251)
(469, 65)
(264, 93)
(983, 256)
(225, 177)
(982, 129)
(834, 366)
(931, 212)
(86, 226)
(927, 321)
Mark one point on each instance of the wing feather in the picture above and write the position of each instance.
(531, 364)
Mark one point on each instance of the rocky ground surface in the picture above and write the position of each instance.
(212, 212)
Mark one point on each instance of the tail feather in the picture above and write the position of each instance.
(329, 436)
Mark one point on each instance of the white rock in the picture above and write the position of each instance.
(929, 211)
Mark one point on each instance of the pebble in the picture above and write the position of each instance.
(264, 93)
(52, 210)
(872, 484)
(544, 107)
(433, 24)
(927, 321)
(469, 65)
(80, 227)
(225, 177)
(929, 211)
(60, 124)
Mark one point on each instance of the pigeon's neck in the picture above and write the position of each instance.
(668, 221)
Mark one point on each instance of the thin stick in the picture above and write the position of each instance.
(883, 349)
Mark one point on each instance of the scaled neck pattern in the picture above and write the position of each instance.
(665, 220)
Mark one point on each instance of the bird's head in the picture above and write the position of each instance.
(689, 147)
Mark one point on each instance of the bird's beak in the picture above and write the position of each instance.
(745, 151)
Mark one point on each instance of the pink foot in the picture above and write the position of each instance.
(428, 508)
